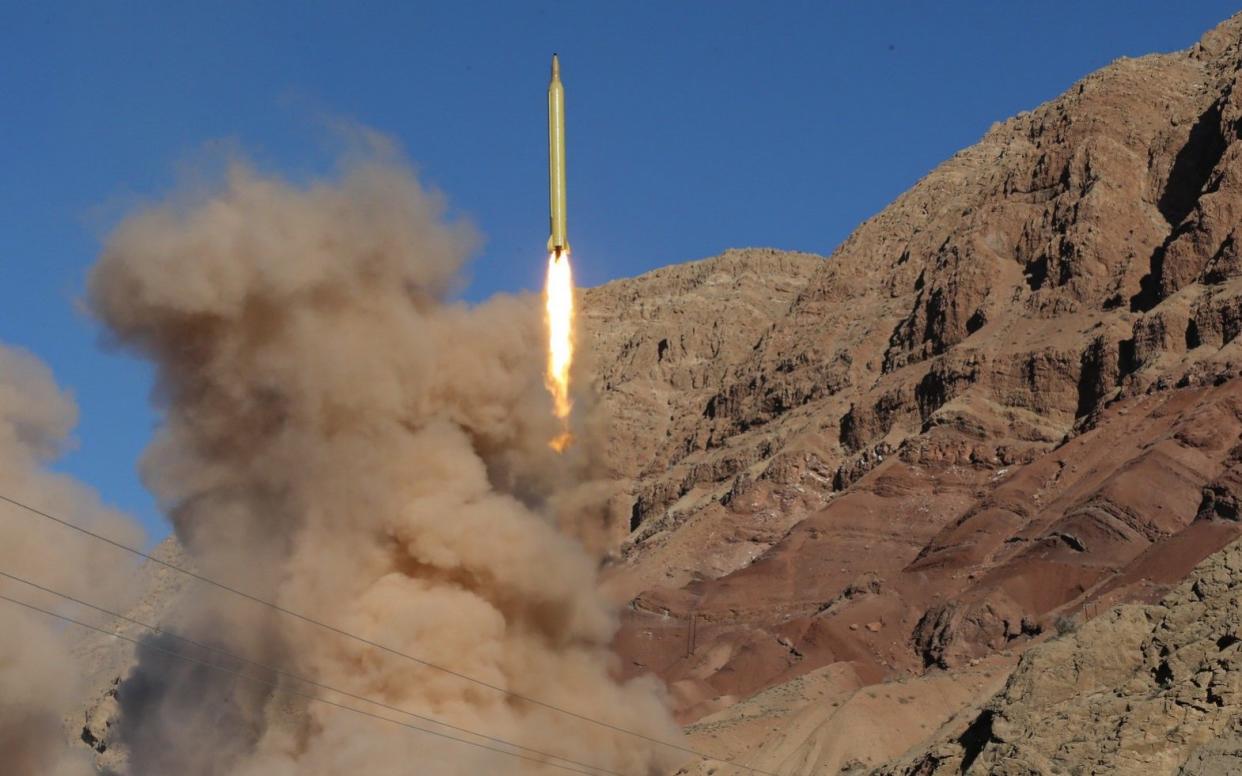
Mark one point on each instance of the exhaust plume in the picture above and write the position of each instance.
(558, 306)
(39, 678)
(342, 440)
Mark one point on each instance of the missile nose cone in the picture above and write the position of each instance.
(556, 68)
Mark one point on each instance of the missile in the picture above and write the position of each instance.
(558, 242)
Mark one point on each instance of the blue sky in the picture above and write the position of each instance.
(692, 127)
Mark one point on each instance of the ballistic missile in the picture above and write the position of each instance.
(558, 242)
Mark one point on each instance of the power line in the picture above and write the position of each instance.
(278, 688)
(208, 647)
(361, 640)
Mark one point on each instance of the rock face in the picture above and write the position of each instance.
(1011, 395)
(1150, 689)
(658, 348)
(828, 722)
(106, 660)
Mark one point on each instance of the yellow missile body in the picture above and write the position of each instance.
(558, 242)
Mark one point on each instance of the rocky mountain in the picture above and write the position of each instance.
(1010, 398)
(1140, 689)
(853, 490)
(660, 346)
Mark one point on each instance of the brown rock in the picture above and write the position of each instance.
(1022, 377)
(1140, 689)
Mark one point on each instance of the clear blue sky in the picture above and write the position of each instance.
(692, 127)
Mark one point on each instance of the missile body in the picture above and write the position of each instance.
(558, 242)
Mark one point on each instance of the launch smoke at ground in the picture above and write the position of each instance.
(341, 440)
(38, 677)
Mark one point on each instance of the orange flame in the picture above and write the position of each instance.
(558, 302)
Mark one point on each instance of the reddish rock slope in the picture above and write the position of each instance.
(1010, 396)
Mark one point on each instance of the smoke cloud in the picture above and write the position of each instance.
(340, 438)
(39, 679)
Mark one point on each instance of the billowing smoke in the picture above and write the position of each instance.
(38, 675)
(339, 438)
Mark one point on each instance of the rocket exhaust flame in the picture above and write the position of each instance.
(558, 297)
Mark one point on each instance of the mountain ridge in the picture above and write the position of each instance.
(973, 387)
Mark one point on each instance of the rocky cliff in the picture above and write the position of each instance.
(1150, 689)
(1010, 395)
